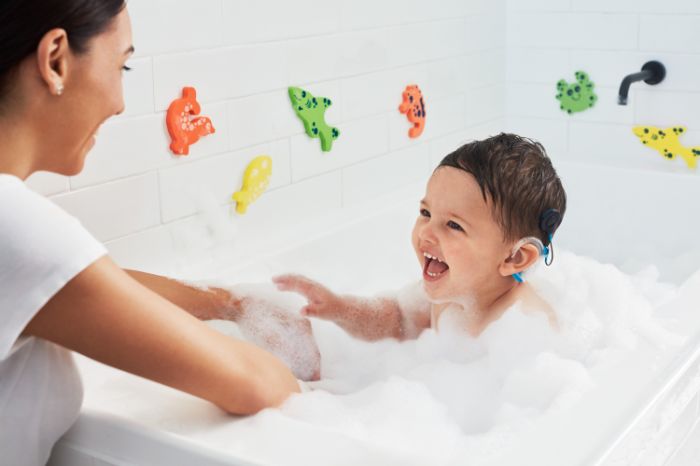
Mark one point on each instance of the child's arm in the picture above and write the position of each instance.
(367, 319)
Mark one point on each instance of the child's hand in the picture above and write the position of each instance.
(285, 334)
(323, 303)
(367, 319)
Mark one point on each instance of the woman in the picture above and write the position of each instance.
(61, 64)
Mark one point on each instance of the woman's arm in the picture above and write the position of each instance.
(106, 315)
(203, 303)
(286, 335)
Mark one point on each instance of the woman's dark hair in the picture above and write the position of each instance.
(516, 176)
(24, 23)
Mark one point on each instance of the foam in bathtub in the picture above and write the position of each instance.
(667, 143)
(270, 319)
(577, 96)
(255, 181)
(445, 398)
(414, 108)
(184, 127)
(311, 110)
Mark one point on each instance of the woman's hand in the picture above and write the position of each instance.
(282, 332)
(285, 334)
(106, 315)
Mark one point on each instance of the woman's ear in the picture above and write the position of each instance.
(52, 60)
(522, 260)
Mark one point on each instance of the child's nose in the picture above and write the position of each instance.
(427, 233)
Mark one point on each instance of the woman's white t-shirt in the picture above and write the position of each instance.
(41, 249)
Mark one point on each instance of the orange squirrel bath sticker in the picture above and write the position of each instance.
(414, 108)
(184, 126)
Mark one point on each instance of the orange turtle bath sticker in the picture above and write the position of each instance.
(414, 108)
(184, 126)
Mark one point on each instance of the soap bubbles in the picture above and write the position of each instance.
(446, 396)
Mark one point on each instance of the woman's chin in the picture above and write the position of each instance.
(73, 169)
(79, 164)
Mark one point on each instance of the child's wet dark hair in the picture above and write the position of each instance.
(517, 178)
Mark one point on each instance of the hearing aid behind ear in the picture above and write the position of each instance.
(541, 248)
(550, 220)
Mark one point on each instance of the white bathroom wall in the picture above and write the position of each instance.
(241, 56)
(548, 40)
(629, 203)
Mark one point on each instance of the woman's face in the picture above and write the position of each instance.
(92, 93)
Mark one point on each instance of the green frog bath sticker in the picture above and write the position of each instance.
(577, 96)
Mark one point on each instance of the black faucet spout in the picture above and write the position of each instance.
(653, 72)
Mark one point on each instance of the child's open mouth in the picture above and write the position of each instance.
(433, 268)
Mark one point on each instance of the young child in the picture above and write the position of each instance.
(489, 213)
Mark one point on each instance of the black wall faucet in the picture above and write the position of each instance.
(653, 72)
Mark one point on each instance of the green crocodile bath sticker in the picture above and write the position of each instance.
(311, 110)
(577, 96)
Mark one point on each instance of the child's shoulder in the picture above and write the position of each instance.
(532, 303)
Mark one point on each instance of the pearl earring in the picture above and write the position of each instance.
(59, 88)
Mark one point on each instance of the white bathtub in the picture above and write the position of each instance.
(646, 415)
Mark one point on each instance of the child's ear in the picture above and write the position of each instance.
(522, 260)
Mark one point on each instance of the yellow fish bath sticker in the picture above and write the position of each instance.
(666, 142)
(255, 182)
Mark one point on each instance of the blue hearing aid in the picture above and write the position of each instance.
(549, 222)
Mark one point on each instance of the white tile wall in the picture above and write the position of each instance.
(115, 209)
(484, 66)
(241, 56)
(183, 186)
(267, 20)
(167, 26)
(550, 40)
(380, 175)
(359, 140)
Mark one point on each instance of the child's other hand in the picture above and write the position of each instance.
(285, 334)
(322, 303)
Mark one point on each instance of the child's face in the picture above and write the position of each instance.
(458, 243)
